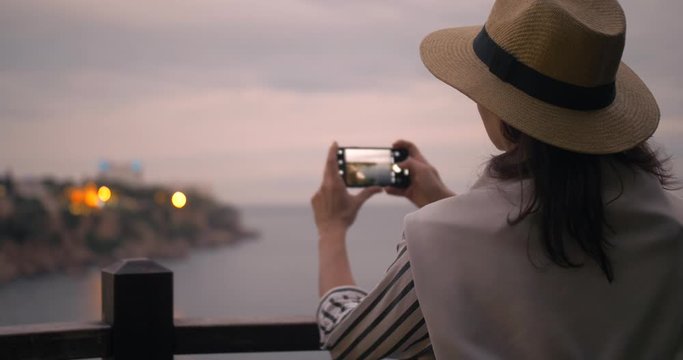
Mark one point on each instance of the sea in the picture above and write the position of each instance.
(272, 275)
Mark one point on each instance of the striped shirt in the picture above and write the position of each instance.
(386, 322)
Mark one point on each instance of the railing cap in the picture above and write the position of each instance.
(135, 266)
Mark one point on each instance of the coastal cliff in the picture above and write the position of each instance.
(48, 225)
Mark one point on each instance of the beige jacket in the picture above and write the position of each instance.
(487, 291)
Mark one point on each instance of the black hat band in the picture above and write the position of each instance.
(507, 68)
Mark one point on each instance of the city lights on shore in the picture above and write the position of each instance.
(90, 198)
(178, 199)
(82, 199)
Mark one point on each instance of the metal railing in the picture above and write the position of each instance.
(137, 323)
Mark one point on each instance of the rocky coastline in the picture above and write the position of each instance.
(59, 226)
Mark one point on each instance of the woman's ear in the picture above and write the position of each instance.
(494, 126)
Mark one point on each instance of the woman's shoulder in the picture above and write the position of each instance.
(487, 203)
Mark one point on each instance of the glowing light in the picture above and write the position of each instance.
(104, 193)
(178, 199)
(396, 168)
(83, 199)
(76, 195)
(91, 198)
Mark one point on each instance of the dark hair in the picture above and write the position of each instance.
(567, 193)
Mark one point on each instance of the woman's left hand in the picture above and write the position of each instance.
(334, 208)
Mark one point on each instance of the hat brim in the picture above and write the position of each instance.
(631, 119)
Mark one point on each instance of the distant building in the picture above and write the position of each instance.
(129, 173)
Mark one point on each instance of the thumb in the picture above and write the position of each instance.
(366, 193)
(408, 163)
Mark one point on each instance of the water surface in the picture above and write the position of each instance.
(274, 275)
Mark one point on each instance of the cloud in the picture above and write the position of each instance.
(296, 44)
(299, 45)
(238, 135)
(248, 94)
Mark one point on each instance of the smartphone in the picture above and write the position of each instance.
(361, 166)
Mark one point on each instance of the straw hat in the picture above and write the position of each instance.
(553, 70)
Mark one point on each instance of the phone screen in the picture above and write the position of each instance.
(362, 167)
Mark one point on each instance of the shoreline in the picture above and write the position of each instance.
(34, 260)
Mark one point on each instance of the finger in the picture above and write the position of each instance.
(331, 169)
(366, 193)
(395, 191)
(413, 151)
(408, 163)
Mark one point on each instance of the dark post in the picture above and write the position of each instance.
(137, 301)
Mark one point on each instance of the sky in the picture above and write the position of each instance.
(244, 96)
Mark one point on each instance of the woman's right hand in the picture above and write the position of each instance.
(425, 184)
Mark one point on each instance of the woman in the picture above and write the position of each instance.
(567, 246)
